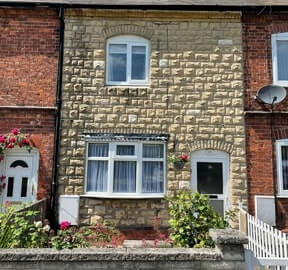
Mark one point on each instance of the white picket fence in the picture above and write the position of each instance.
(269, 245)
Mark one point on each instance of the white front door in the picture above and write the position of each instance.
(210, 174)
(21, 171)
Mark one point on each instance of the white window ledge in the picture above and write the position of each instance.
(116, 196)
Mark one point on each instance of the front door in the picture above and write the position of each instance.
(21, 169)
(210, 174)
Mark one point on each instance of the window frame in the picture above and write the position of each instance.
(138, 157)
(274, 39)
(279, 143)
(129, 41)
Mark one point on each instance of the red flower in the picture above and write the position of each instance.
(184, 157)
(3, 185)
(20, 145)
(2, 178)
(12, 140)
(1, 158)
(10, 145)
(25, 141)
(15, 131)
(64, 225)
(2, 139)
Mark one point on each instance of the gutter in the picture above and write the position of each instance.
(58, 116)
(62, 4)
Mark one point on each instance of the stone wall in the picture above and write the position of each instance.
(229, 254)
(197, 99)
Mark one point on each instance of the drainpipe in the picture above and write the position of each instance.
(58, 116)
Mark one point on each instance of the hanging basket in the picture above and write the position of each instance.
(178, 165)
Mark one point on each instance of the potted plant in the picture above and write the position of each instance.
(178, 161)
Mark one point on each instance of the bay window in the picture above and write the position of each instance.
(125, 169)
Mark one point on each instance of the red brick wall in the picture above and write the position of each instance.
(257, 30)
(28, 56)
(28, 64)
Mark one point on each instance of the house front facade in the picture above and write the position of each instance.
(137, 87)
(265, 46)
(29, 39)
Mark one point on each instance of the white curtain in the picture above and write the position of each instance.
(282, 59)
(97, 172)
(124, 176)
(152, 177)
(97, 175)
(117, 63)
(153, 151)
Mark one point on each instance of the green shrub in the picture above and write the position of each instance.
(191, 218)
(16, 231)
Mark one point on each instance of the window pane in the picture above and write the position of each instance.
(138, 63)
(97, 175)
(117, 63)
(124, 176)
(152, 177)
(10, 187)
(24, 186)
(20, 163)
(209, 178)
(284, 154)
(98, 150)
(125, 150)
(153, 150)
(282, 59)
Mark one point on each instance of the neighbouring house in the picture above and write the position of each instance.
(265, 46)
(29, 41)
(138, 86)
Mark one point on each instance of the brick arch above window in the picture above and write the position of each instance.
(210, 144)
(280, 133)
(128, 29)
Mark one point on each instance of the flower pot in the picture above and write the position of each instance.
(178, 165)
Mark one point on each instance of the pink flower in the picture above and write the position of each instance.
(15, 131)
(184, 157)
(1, 158)
(162, 235)
(3, 185)
(12, 140)
(64, 225)
(2, 178)
(10, 145)
(2, 139)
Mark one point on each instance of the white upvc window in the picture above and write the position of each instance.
(127, 60)
(280, 58)
(125, 169)
(282, 167)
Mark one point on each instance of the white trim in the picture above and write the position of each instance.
(274, 39)
(130, 41)
(281, 191)
(138, 158)
(212, 156)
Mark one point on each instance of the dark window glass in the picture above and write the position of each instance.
(10, 187)
(24, 187)
(125, 150)
(284, 155)
(20, 163)
(210, 178)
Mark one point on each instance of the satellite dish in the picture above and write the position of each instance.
(271, 94)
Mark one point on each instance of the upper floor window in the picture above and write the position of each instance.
(282, 166)
(127, 60)
(280, 59)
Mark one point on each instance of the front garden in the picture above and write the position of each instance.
(191, 217)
